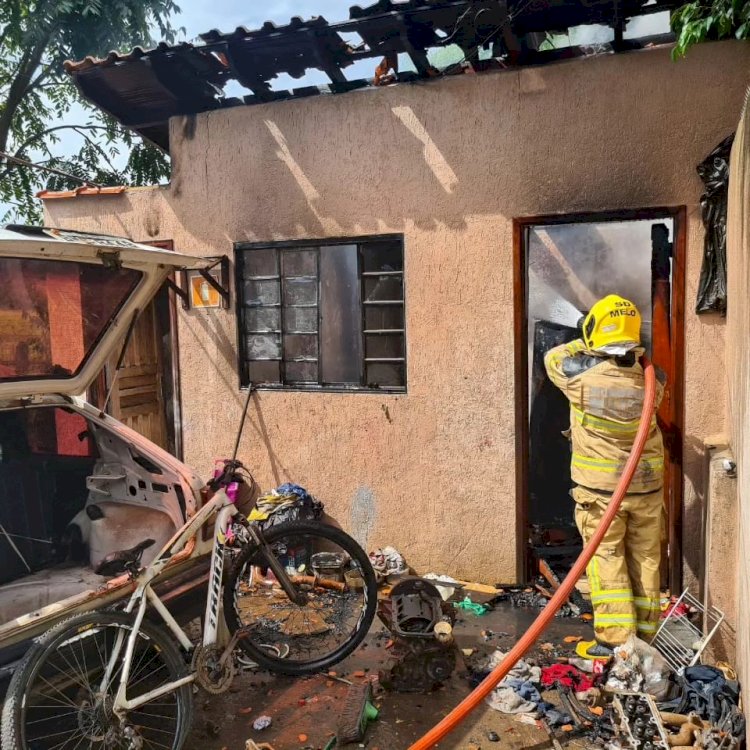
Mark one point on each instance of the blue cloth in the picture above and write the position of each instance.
(706, 691)
(529, 692)
(293, 489)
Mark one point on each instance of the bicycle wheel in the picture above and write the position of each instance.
(335, 574)
(56, 699)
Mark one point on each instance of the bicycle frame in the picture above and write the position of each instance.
(144, 594)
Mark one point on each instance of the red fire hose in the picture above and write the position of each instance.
(468, 704)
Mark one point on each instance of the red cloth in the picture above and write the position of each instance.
(566, 675)
(676, 611)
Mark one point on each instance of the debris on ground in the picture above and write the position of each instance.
(639, 666)
(468, 605)
(568, 675)
(552, 690)
(424, 653)
(389, 564)
(251, 745)
(357, 713)
(517, 693)
(261, 723)
(444, 584)
(532, 598)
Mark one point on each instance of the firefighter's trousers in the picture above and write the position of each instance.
(624, 572)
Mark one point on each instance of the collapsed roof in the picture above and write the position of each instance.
(144, 88)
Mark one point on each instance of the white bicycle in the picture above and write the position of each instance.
(298, 598)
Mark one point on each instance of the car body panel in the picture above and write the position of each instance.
(183, 582)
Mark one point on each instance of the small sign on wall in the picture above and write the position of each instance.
(202, 294)
(207, 288)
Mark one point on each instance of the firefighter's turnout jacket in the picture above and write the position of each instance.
(606, 398)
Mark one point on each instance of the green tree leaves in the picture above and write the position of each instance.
(39, 105)
(701, 21)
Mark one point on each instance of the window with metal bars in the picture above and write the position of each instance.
(325, 315)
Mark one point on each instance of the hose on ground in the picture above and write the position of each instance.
(468, 704)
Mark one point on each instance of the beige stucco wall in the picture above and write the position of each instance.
(449, 164)
(738, 372)
(721, 550)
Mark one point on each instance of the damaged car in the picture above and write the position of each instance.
(78, 488)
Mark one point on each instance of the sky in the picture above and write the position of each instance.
(225, 15)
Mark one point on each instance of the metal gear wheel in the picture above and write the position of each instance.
(212, 677)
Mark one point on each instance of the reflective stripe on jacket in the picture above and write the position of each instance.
(606, 399)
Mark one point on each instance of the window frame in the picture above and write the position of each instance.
(318, 242)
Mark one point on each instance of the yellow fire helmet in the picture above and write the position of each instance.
(612, 326)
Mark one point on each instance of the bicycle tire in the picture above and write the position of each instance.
(249, 555)
(16, 700)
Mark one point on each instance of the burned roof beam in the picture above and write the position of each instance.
(144, 88)
(326, 59)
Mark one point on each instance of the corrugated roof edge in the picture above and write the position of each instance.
(76, 66)
(46, 195)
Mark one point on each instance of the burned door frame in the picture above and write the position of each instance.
(678, 214)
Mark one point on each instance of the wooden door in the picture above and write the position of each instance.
(138, 396)
(146, 391)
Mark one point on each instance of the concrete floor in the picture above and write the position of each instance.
(310, 706)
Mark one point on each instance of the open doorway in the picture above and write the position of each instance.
(563, 265)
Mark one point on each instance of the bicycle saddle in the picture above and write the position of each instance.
(123, 560)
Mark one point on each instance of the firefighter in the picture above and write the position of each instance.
(602, 378)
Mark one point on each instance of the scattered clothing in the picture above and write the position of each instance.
(521, 671)
(517, 692)
(707, 691)
(675, 610)
(508, 698)
(564, 674)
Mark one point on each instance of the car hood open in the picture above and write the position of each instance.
(68, 299)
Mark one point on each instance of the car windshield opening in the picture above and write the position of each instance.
(53, 313)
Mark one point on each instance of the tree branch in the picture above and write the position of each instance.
(31, 60)
(38, 136)
(98, 149)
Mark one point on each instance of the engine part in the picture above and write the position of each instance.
(423, 655)
(638, 721)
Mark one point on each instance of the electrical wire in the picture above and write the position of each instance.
(26, 163)
(469, 55)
